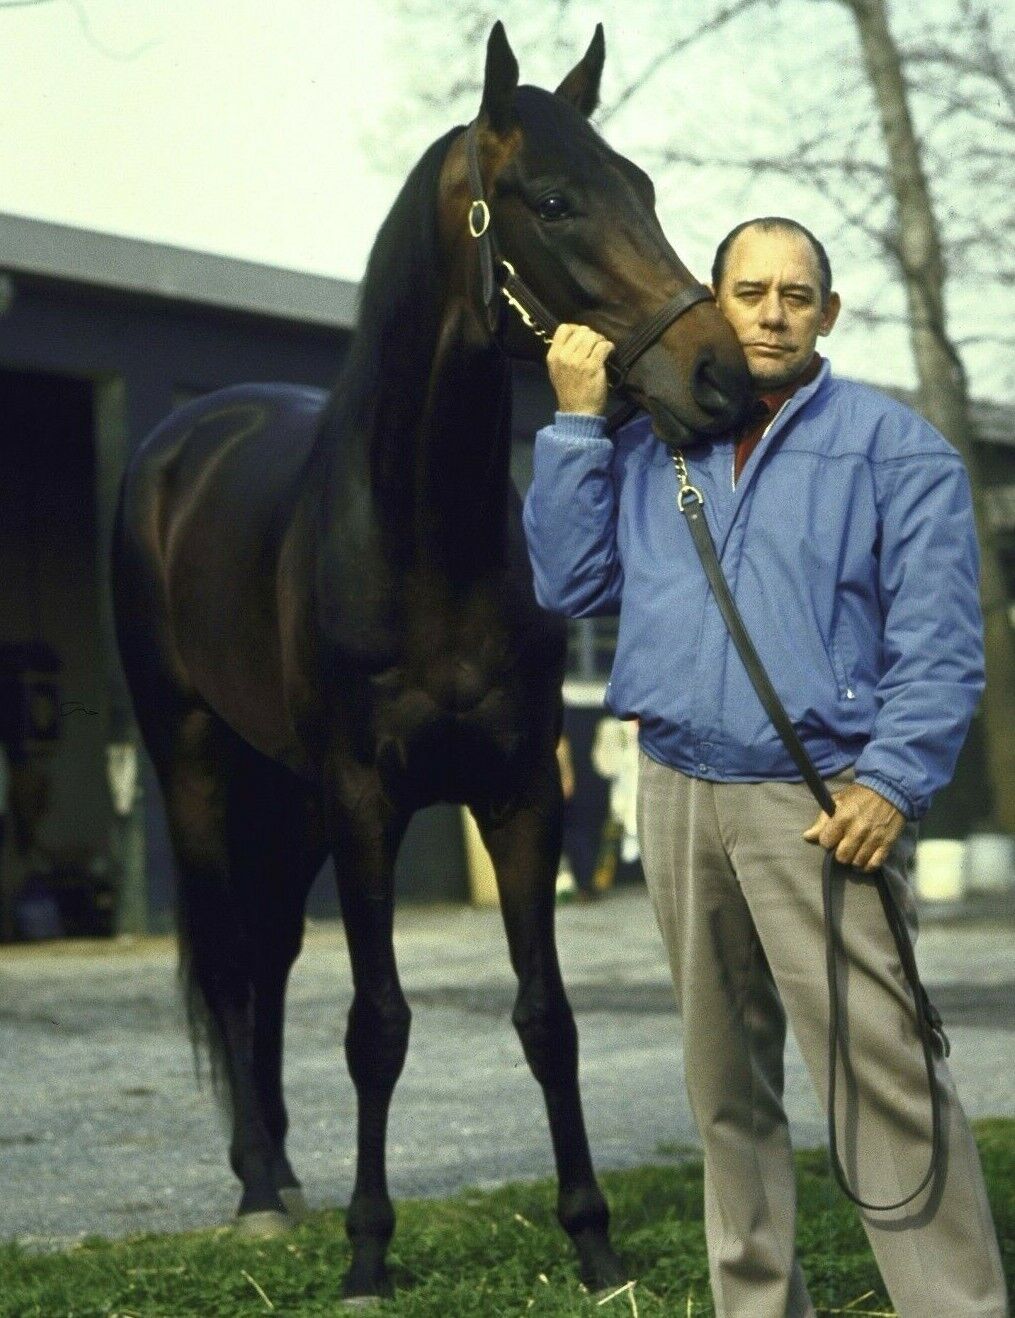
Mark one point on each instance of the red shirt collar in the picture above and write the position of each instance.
(750, 437)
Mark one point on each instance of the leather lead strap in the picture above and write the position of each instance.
(929, 1028)
(694, 515)
(928, 1020)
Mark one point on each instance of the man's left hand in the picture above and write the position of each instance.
(861, 831)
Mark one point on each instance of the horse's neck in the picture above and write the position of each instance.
(463, 455)
(433, 454)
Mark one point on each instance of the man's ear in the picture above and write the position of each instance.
(830, 313)
(501, 79)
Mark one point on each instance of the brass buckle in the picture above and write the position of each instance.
(513, 273)
(478, 227)
(526, 316)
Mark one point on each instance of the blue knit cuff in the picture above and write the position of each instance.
(891, 793)
(579, 425)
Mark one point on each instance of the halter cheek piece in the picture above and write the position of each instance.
(499, 275)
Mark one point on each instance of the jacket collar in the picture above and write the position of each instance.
(797, 399)
(776, 426)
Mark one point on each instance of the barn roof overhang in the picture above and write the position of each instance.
(38, 250)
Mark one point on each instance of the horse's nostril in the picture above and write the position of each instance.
(707, 387)
(715, 390)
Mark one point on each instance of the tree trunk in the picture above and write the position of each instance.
(943, 390)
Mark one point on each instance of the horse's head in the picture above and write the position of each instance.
(577, 222)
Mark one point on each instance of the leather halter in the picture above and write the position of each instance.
(499, 276)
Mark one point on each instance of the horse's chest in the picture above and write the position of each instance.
(460, 708)
(441, 736)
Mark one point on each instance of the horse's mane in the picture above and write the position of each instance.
(389, 358)
(388, 361)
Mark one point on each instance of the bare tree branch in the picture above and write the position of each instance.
(723, 16)
(84, 22)
(793, 167)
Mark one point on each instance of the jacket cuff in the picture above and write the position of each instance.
(579, 425)
(891, 793)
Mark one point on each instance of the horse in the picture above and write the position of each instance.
(326, 619)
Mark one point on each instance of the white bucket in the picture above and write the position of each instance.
(990, 862)
(940, 870)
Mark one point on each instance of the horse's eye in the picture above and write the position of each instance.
(554, 207)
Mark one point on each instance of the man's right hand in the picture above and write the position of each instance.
(576, 362)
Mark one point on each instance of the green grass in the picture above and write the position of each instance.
(477, 1255)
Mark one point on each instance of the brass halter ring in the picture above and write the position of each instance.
(477, 227)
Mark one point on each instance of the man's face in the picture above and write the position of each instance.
(771, 295)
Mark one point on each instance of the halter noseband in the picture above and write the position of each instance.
(499, 275)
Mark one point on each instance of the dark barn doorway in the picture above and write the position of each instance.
(55, 877)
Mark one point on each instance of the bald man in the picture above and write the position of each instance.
(844, 527)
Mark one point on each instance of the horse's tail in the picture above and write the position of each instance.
(215, 971)
(206, 1040)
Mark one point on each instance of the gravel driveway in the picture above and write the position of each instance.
(104, 1131)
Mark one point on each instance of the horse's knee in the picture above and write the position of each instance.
(377, 1040)
(549, 1038)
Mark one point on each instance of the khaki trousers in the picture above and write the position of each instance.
(737, 895)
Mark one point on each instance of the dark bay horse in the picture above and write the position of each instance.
(326, 616)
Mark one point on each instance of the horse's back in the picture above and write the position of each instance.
(273, 423)
(206, 510)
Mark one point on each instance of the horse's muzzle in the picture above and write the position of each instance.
(721, 391)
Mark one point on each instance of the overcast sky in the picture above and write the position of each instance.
(280, 133)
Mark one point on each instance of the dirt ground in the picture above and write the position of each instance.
(104, 1131)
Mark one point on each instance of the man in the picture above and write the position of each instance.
(844, 528)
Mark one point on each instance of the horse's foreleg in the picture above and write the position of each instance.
(525, 848)
(376, 1043)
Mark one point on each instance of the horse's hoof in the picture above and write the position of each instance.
(600, 1268)
(295, 1204)
(612, 1292)
(262, 1226)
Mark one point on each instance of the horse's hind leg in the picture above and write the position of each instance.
(377, 1036)
(276, 848)
(216, 950)
(524, 847)
(275, 951)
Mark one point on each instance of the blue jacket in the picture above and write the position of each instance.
(849, 545)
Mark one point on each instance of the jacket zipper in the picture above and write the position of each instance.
(764, 433)
(846, 692)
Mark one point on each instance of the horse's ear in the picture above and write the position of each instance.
(581, 86)
(501, 78)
